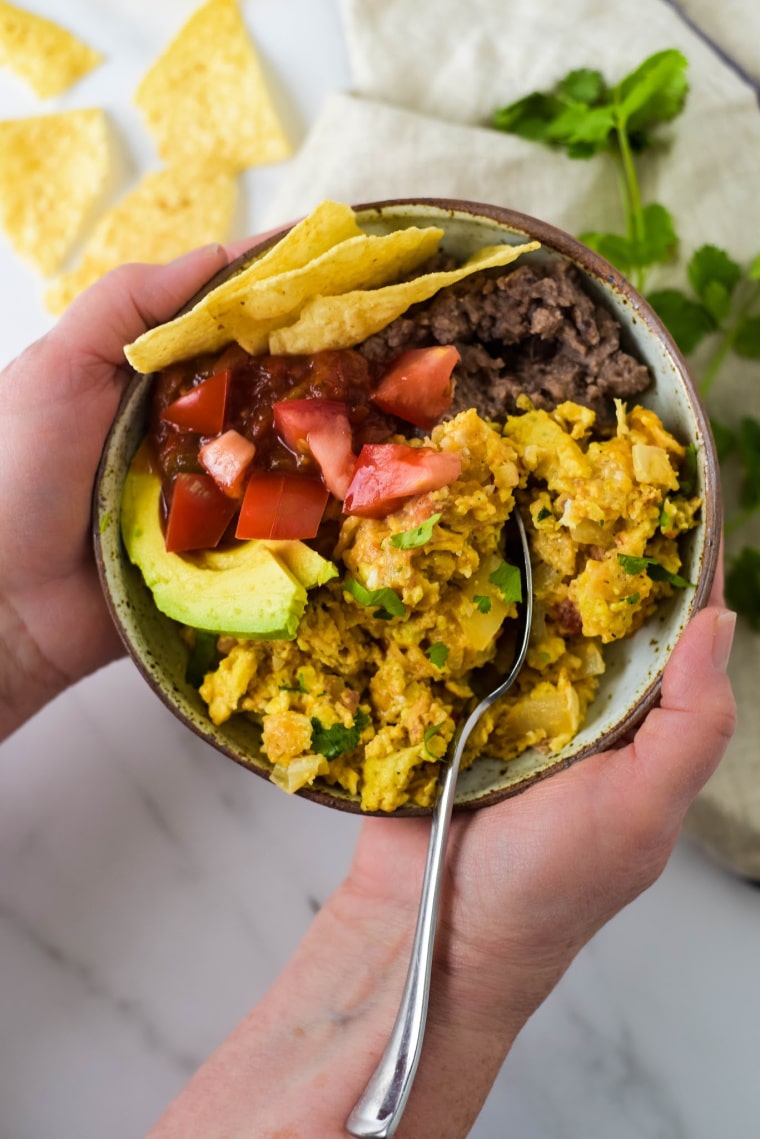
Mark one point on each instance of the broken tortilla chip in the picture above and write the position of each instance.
(166, 215)
(53, 170)
(343, 321)
(206, 96)
(251, 311)
(46, 56)
(197, 331)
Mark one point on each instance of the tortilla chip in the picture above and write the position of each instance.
(198, 331)
(251, 311)
(52, 171)
(206, 96)
(343, 321)
(46, 56)
(166, 215)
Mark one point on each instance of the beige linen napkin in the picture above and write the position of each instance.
(426, 76)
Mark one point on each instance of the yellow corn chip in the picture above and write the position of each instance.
(343, 321)
(198, 331)
(48, 57)
(251, 311)
(206, 96)
(166, 215)
(52, 171)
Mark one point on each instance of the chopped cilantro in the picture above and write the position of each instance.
(631, 563)
(386, 600)
(438, 654)
(411, 539)
(632, 598)
(482, 603)
(429, 733)
(105, 522)
(507, 580)
(337, 739)
(543, 513)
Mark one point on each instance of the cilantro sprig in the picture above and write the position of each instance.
(632, 563)
(417, 536)
(386, 601)
(337, 739)
(585, 116)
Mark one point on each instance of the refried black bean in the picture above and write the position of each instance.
(531, 329)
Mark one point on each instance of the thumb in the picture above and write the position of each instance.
(124, 303)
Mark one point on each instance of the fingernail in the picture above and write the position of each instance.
(214, 247)
(723, 637)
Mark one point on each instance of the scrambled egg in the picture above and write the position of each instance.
(368, 697)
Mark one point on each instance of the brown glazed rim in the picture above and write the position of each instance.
(608, 278)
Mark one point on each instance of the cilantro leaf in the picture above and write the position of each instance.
(438, 654)
(713, 276)
(337, 739)
(633, 564)
(508, 581)
(429, 733)
(529, 117)
(386, 600)
(418, 536)
(482, 603)
(687, 476)
(725, 438)
(743, 585)
(653, 93)
(688, 321)
(748, 438)
(584, 85)
(747, 339)
(657, 243)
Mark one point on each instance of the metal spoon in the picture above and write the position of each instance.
(378, 1111)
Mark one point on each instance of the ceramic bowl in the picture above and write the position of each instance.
(631, 684)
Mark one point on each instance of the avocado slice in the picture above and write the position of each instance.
(254, 589)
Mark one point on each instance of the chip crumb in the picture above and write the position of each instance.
(206, 95)
(53, 170)
(168, 213)
(48, 57)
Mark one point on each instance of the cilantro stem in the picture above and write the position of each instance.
(633, 210)
(716, 361)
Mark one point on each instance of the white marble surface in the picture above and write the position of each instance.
(150, 890)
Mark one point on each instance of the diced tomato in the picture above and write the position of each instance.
(202, 408)
(281, 506)
(418, 387)
(322, 427)
(388, 473)
(227, 459)
(198, 515)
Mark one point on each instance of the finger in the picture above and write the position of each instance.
(125, 302)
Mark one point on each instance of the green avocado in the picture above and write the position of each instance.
(256, 589)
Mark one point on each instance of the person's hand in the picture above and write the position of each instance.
(529, 882)
(57, 401)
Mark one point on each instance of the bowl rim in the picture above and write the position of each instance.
(593, 265)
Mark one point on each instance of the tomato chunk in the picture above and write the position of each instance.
(281, 506)
(322, 427)
(227, 459)
(198, 515)
(202, 408)
(418, 387)
(388, 473)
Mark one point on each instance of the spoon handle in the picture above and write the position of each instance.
(378, 1111)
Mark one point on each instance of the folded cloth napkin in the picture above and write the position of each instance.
(427, 74)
